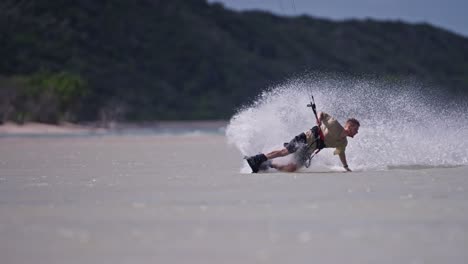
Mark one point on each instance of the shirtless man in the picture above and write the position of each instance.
(304, 144)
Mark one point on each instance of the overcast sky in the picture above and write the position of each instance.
(447, 14)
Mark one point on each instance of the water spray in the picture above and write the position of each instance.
(399, 133)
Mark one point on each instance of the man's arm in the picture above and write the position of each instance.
(342, 156)
(320, 118)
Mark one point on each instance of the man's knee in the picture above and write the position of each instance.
(291, 167)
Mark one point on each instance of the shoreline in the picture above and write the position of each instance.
(176, 126)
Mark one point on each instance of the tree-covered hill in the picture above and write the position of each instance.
(176, 59)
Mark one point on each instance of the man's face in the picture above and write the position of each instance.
(352, 130)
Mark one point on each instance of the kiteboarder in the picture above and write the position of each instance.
(328, 133)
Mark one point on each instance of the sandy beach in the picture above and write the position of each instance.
(10, 128)
(160, 127)
(182, 199)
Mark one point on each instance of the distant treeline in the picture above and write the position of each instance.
(175, 59)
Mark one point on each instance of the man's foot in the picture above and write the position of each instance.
(256, 161)
(265, 165)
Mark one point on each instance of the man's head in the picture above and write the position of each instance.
(351, 127)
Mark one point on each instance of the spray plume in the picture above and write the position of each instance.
(402, 125)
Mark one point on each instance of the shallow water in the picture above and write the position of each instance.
(181, 199)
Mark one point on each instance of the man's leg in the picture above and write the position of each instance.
(255, 162)
(291, 167)
(277, 153)
(300, 157)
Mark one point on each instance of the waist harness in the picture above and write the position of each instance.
(320, 143)
(318, 137)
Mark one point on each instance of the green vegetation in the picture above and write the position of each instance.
(175, 59)
(43, 97)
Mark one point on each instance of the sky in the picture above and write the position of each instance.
(451, 15)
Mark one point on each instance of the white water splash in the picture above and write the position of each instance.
(402, 125)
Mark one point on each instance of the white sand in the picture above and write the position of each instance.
(155, 199)
(33, 128)
(161, 127)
